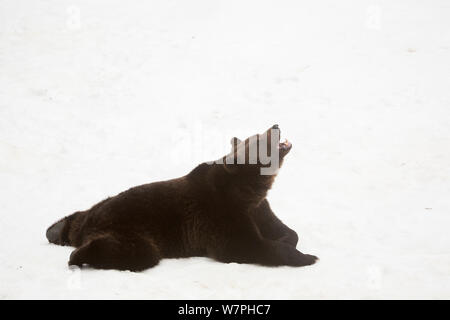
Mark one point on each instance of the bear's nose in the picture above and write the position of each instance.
(275, 126)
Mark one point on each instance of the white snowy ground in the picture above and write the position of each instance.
(99, 96)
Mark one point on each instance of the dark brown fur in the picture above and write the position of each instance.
(217, 210)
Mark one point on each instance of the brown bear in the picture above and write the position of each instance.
(218, 210)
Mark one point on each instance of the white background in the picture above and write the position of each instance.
(99, 96)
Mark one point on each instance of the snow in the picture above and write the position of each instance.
(99, 96)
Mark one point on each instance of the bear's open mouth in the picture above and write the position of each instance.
(285, 145)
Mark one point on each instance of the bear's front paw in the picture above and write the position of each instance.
(297, 259)
(309, 259)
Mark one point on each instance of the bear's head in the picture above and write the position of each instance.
(243, 177)
(259, 154)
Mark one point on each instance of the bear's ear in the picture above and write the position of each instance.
(235, 141)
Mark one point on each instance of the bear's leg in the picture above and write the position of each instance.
(243, 243)
(271, 227)
(264, 252)
(110, 251)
